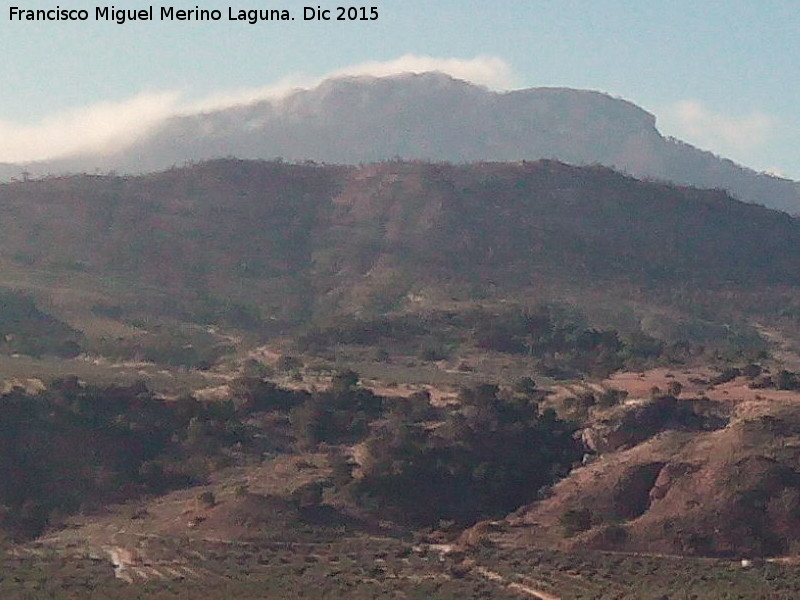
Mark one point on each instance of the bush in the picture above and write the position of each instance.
(751, 371)
(433, 354)
(340, 415)
(525, 385)
(258, 394)
(485, 460)
(787, 380)
(727, 375)
(308, 495)
(611, 397)
(207, 499)
(288, 363)
(575, 520)
(674, 389)
(613, 535)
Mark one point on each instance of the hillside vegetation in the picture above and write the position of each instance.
(273, 246)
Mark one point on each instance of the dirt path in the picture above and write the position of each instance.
(495, 577)
(514, 586)
(783, 351)
(131, 567)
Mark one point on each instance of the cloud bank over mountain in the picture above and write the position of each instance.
(100, 128)
(112, 126)
(422, 116)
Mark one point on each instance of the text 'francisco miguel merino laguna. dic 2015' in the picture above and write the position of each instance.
(170, 13)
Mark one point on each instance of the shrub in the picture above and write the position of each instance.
(308, 495)
(611, 397)
(433, 353)
(485, 460)
(674, 388)
(207, 499)
(787, 380)
(288, 363)
(751, 371)
(575, 520)
(727, 375)
(525, 385)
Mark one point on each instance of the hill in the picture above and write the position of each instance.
(435, 117)
(275, 248)
(487, 271)
(323, 516)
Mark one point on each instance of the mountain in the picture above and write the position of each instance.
(252, 242)
(432, 116)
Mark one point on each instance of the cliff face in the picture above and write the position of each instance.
(434, 117)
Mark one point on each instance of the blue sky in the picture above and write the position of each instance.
(722, 75)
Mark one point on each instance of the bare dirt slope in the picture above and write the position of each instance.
(710, 478)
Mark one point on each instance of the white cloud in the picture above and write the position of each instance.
(244, 96)
(96, 128)
(776, 172)
(724, 134)
(490, 71)
(111, 126)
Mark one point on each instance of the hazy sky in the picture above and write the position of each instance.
(723, 75)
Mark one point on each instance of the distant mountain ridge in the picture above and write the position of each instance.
(432, 116)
